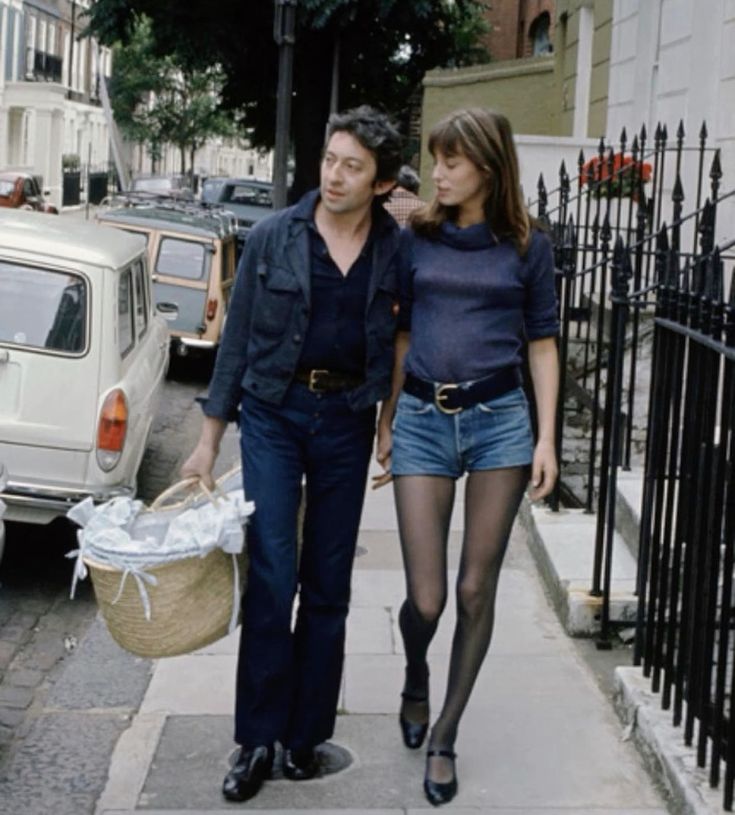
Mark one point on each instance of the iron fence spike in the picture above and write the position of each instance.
(644, 133)
(703, 131)
(680, 132)
(716, 167)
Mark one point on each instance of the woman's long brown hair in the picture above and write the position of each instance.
(485, 137)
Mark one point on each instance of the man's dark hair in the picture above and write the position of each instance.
(376, 132)
(408, 179)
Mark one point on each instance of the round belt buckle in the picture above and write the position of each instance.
(441, 394)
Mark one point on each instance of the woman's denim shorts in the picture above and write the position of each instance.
(487, 436)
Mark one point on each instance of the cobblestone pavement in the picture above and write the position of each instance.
(39, 625)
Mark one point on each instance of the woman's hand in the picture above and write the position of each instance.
(200, 464)
(543, 471)
(383, 450)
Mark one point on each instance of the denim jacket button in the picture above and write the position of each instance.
(297, 338)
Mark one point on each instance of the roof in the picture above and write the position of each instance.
(204, 224)
(66, 238)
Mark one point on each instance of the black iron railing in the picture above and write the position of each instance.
(687, 539)
(641, 282)
(624, 191)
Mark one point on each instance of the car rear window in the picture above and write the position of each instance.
(247, 194)
(186, 259)
(41, 308)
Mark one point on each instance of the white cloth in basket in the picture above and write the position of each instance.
(126, 536)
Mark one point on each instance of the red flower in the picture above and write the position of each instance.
(618, 180)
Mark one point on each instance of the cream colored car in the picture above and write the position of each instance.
(83, 356)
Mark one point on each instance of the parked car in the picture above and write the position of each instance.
(3, 482)
(249, 200)
(211, 187)
(172, 186)
(19, 190)
(192, 252)
(83, 356)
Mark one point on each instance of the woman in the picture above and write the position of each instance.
(478, 285)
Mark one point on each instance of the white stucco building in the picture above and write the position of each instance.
(674, 60)
(49, 104)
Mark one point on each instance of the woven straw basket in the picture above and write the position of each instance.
(190, 605)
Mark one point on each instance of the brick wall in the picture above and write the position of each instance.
(510, 22)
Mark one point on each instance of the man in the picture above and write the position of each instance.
(306, 354)
(404, 197)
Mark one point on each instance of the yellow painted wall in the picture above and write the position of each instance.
(522, 89)
(565, 70)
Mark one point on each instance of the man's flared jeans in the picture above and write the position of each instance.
(289, 676)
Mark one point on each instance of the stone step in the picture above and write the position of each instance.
(563, 545)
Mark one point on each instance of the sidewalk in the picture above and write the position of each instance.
(538, 738)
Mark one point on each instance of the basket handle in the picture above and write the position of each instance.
(185, 484)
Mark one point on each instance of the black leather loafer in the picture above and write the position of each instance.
(300, 765)
(440, 793)
(248, 773)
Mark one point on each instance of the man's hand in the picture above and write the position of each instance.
(544, 471)
(200, 464)
(383, 455)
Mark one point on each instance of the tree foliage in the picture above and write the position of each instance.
(157, 101)
(385, 47)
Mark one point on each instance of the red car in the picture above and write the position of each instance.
(21, 191)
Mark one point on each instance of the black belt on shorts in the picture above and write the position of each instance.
(452, 398)
(319, 380)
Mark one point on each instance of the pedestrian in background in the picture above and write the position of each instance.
(306, 354)
(477, 285)
(404, 199)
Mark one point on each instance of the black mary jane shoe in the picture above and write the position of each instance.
(250, 770)
(413, 733)
(300, 765)
(438, 793)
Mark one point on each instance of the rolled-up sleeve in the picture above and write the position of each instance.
(225, 387)
(541, 312)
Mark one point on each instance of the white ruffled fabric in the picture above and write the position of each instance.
(121, 535)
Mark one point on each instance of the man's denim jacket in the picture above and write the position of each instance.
(269, 312)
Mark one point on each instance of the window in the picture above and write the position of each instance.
(540, 36)
(126, 336)
(185, 259)
(43, 309)
(141, 299)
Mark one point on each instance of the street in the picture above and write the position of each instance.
(39, 624)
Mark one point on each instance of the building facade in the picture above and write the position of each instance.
(49, 90)
(520, 28)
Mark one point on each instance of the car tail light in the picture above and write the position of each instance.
(111, 429)
(211, 309)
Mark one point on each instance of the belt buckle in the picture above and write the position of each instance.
(313, 374)
(440, 395)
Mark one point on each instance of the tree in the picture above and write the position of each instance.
(157, 101)
(385, 48)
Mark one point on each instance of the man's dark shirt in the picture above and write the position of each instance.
(335, 339)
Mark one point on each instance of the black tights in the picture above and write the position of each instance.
(424, 506)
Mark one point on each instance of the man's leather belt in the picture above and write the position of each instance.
(319, 380)
(452, 398)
